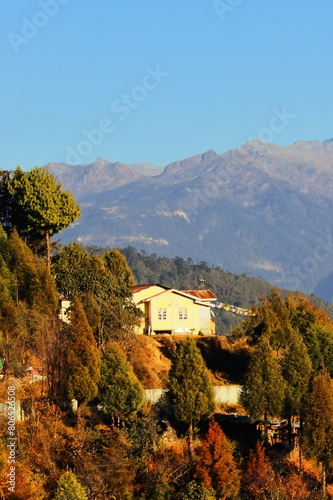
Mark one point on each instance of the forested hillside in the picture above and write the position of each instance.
(74, 420)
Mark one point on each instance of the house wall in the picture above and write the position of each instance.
(198, 316)
(169, 304)
(142, 295)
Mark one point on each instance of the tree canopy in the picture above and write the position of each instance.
(120, 393)
(318, 427)
(297, 371)
(102, 285)
(117, 265)
(264, 388)
(35, 204)
(191, 392)
(69, 488)
(82, 369)
(216, 466)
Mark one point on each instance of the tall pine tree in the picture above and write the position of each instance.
(39, 207)
(191, 391)
(318, 428)
(297, 372)
(117, 265)
(264, 388)
(81, 368)
(120, 392)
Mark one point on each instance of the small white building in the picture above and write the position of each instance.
(64, 306)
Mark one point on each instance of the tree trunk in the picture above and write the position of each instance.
(48, 250)
(190, 438)
(289, 430)
(324, 482)
(300, 444)
(266, 427)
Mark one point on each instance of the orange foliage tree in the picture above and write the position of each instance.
(294, 487)
(216, 467)
(259, 475)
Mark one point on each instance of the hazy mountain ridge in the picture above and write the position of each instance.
(261, 209)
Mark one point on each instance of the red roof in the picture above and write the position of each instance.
(201, 294)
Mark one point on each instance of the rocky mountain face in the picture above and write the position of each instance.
(261, 209)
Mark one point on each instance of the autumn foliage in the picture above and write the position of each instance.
(115, 445)
(259, 474)
(216, 466)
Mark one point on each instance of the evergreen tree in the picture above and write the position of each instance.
(120, 392)
(107, 296)
(191, 392)
(144, 435)
(69, 488)
(264, 387)
(7, 279)
(316, 329)
(3, 239)
(216, 467)
(33, 282)
(318, 428)
(117, 265)
(6, 201)
(40, 208)
(78, 274)
(297, 371)
(81, 372)
(28, 299)
(195, 491)
(93, 311)
(323, 335)
(271, 319)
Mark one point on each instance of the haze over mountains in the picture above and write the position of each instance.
(262, 209)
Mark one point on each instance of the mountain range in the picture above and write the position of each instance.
(260, 209)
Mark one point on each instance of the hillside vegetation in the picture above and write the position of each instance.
(85, 430)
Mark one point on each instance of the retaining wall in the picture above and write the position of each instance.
(228, 394)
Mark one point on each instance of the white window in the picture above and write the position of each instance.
(161, 313)
(183, 313)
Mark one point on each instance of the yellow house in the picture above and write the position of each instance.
(167, 310)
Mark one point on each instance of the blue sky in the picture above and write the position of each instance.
(159, 81)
